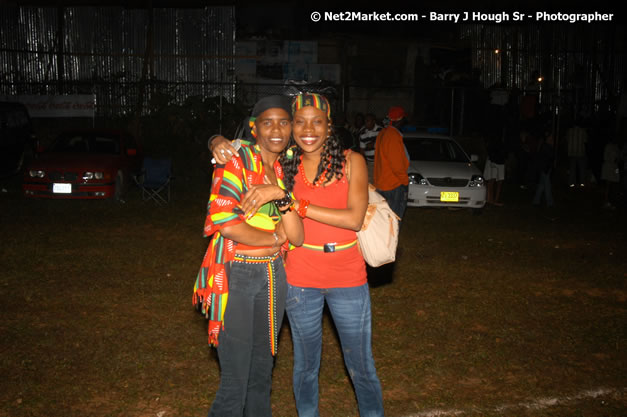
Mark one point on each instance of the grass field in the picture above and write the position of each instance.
(517, 312)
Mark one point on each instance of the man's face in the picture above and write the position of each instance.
(370, 122)
(273, 128)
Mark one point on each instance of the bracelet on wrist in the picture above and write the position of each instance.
(284, 202)
(288, 208)
(302, 208)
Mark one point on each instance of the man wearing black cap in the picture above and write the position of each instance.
(228, 149)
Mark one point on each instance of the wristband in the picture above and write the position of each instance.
(302, 208)
(289, 208)
(283, 201)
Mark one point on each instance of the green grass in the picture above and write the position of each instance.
(483, 315)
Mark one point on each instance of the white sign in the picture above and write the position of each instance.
(77, 105)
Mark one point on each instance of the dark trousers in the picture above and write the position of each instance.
(244, 344)
(397, 199)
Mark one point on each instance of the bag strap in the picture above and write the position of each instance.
(347, 165)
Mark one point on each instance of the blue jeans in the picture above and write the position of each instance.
(397, 199)
(350, 309)
(246, 361)
(544, 187)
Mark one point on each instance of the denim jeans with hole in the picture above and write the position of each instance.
(244, 344)
(350, 309)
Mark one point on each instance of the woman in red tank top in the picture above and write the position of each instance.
(328, 267)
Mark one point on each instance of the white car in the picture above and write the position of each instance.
(441, 174)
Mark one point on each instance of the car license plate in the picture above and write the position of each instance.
(449, 196)
(61, 188)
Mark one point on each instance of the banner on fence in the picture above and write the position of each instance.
(76, 105)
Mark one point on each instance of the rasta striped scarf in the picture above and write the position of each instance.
(230, 183)
(314, 100)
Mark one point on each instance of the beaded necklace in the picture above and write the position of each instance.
(321, 178)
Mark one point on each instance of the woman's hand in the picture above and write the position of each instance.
(281, 235)
(258, 195)
(222, 149)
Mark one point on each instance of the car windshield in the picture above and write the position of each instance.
(433, 149)
(86, 143)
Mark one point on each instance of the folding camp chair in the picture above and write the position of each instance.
(154, 179)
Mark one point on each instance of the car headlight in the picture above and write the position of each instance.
(36, 173)
(476, 181)
(89, 175)
(415, 178)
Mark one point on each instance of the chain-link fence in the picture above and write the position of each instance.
(457, 110)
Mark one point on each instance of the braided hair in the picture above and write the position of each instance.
(332, 157)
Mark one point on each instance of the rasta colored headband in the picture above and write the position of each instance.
(314, 100)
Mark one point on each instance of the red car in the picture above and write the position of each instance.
(85, 164)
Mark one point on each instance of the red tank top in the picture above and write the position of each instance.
(316, 269)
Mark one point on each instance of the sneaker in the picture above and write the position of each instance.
(572, 185)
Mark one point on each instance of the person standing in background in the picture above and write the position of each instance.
(610, 171)
(494, 171)
(367, 138)
(544, 165)
(576, 138)
(391, 163)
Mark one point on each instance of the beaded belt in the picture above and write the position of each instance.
(255, 259)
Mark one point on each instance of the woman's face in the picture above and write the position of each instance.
(311, 128)
(273, 128)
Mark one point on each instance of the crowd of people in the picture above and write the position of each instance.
(528, 150)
